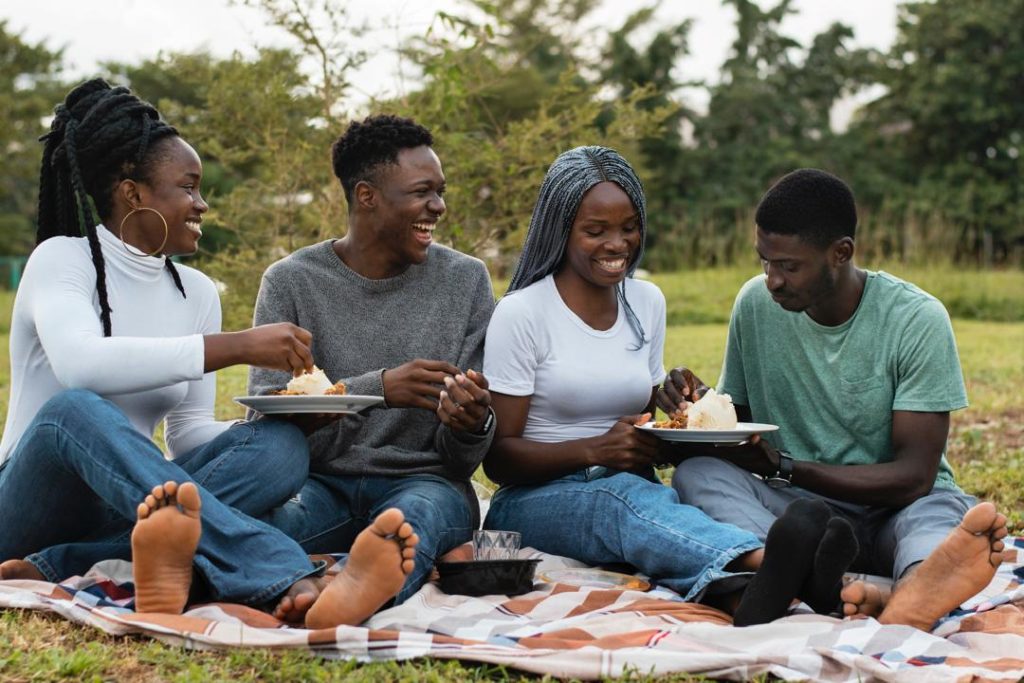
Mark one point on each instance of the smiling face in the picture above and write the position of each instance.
(409, 202)
(799, 276)
(604, 238)
(170, 186)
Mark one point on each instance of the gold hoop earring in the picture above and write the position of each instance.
(120, 231)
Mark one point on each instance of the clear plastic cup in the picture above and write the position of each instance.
(495, 545)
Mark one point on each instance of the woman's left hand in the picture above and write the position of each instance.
(464, 402)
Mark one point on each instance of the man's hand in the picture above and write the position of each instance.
(464, 402)
(277, 346)
(624, 447)
(757, 456)
(417, 384)
(681, 385)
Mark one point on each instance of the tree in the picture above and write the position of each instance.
(953, 118)
(30, 86)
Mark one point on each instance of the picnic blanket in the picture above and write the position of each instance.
(586, 633)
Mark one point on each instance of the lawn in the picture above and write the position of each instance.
(986, 448)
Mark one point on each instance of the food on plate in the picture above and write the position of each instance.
(711, 411)
(313, 383)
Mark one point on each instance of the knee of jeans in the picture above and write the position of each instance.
(694, 477)
(442, 510)
(70, 401)
(288, 446)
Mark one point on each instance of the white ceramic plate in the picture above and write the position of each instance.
(284, 405)
(743, 431)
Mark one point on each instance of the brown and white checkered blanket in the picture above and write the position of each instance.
(587, 632)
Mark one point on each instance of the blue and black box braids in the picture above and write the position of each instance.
(568, 179)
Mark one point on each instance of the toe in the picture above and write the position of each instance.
(142, 511)
(388, 522)
(980, 519)
(188, 498)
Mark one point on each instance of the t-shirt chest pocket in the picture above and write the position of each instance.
(867, 404)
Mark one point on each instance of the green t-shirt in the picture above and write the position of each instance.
(832, 390)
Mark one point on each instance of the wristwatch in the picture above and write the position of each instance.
(488, 421)
(783, 477)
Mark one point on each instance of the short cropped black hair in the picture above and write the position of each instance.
(814, 205)
(374, 142)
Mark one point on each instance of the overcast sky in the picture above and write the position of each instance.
(92, 31)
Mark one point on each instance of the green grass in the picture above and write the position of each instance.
(986, 448)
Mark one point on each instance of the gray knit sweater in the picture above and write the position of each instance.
(437, 310)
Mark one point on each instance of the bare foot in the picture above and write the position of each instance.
(381, 557)
(163, 544)
(863, 599)
(957, 569)
(20, 569)
(299, 598)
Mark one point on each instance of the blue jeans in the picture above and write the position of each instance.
(891, 539)
(69, 493)
(616, 517)
(331, 510)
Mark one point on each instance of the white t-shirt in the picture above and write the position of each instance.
(580, 380)
(152, 366)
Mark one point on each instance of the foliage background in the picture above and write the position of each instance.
(935, 159)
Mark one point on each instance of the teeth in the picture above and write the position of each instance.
(614, 265)
(429, 227)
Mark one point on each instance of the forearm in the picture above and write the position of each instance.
(462, 452)
(515, 460)
(891, 484)
(223, 350)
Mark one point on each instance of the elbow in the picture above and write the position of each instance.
(495, 472)
(76, 376)
(912, 490)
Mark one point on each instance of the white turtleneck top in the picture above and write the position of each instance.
(152, 365)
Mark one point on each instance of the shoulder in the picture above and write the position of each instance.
(69, 256)
(644, 291)
(753, 295)
(298, 262)
(520, 302)
(523, 306)
(753, 290)
(452, 261)
(905, 298)
(60, 250)
(194, 280)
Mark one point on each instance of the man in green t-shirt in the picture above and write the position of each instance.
(860, 371)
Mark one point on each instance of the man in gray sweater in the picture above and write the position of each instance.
(392, 314)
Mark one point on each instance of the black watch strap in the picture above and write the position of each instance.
(488, 422)
(783, 477)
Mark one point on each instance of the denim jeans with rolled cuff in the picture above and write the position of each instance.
(70, 490)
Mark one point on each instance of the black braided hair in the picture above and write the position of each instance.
(100, 135)
(367, 145)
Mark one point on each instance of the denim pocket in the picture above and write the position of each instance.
(867, 404)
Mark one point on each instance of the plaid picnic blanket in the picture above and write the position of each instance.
(586, 633)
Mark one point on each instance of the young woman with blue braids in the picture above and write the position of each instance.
(574, 356)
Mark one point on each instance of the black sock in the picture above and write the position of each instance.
(788, 557)
(836, 552)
